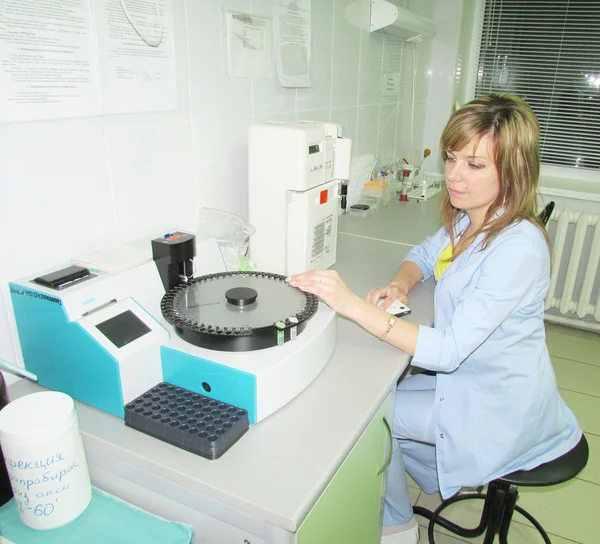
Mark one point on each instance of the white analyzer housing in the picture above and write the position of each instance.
(294, 170)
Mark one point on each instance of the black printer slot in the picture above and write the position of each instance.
(60, 278)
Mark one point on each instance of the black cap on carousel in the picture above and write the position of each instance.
(238, 311)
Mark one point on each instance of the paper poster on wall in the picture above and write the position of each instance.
(137, 60)
(249, 40)
(293, 31)
(47, 60)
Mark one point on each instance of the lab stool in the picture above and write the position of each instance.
(502, 495)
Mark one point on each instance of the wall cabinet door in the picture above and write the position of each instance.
(348, 511)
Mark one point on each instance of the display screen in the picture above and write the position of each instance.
(313, 149)
(123, 328)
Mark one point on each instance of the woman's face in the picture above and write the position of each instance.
(472, 179)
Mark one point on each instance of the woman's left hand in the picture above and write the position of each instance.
(327, 285)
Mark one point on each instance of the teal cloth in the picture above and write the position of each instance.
(106, 519)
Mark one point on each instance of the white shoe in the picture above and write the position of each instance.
(401, 534)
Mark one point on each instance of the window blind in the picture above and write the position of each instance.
(548, 52)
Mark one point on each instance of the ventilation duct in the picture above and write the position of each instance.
(400, 23)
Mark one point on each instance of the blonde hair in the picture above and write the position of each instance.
(513, 130)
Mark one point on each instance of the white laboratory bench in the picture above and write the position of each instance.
(400, 222)
(263, 489)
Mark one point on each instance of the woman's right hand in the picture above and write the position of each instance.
(389, 293)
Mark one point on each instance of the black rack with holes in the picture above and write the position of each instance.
(185, 419)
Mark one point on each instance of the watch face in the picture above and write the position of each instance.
(238, 311)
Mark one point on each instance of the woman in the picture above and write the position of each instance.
(493, 406)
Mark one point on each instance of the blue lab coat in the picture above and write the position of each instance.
(497, 406)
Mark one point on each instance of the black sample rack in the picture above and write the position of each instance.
(185, 419)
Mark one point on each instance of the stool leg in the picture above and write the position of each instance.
(535, 523)
(495, 518)
(489, 506)
(499, 506)
(435, 517)
(511, 502)
(492, 508)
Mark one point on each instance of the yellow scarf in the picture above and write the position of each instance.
(443, 262)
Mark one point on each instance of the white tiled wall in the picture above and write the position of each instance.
(441, 72)
(71, 186)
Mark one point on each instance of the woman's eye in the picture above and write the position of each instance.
(449, 159)
(476, 166)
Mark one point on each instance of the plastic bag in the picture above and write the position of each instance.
(232, 234)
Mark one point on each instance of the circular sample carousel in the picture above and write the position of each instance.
(238, 311)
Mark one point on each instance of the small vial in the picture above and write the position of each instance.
(405, 176)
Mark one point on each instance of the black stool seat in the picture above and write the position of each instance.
(500, 501)
(557, 471)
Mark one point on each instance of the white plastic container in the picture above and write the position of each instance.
(45, 459)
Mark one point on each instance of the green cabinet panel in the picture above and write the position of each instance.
(348, 511)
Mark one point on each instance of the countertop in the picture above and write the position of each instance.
(405, 223)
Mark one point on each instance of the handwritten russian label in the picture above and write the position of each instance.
(39, 484)
(38, 463)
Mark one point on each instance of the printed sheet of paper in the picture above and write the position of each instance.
(249, 40)
(293, 30)
(114, 259)
(47, 60)
(135, 76)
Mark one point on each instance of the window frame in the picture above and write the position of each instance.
(546, 170)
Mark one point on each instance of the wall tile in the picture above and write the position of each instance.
(213, 92)
(151, 190)
(268, 96)
(314, 115)
(56, 196)
(180, 45)
(220, 151)
(410, 131)
(388, 116)
(392, 54)
(371, 58)
(424, 71)
(416, 70)
(424, 8)
(439, 61)
(407, 72)
(348, 119)
(368, 129)
(346, 54)
(322, 60)
(280, 117)
(403, 134)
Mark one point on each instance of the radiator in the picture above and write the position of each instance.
(574, 295)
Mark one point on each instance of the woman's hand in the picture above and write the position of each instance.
(328, 286)
(389, 293)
